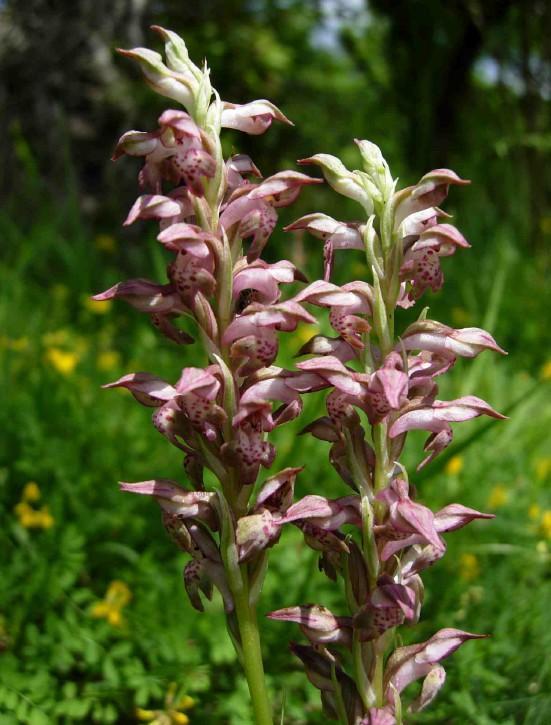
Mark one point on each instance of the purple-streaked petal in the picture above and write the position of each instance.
(453, 411)
(142, 294)
(318, 623)
(146, 388)
(455, 516)
(276, 493)
(152, 206)
(410, 663)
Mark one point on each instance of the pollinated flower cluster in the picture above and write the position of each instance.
(215, 217)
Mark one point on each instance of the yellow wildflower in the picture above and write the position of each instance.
(534, 512)
(145, 715)
(105, 243)
(545, 524)
(116, 597)
(64, 362)
(469, 567)
(44, 518)
(545, 372)
(172, 713)
(108, 359)
(185, 703)
(31, 518)
(460, 316)
(96, 307)
(499, 496)
(543, 468)
(454, 466)
(31, 492)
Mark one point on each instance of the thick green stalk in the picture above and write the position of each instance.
(252, 657)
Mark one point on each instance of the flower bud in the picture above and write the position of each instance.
(345, 182)
(376, 167)
(167, 83)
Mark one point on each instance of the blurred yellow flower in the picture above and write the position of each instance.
(105, 243)
(460, 316)
(534, 512)
(64, 362)
(469, 567)
(31, 492)
(454, 466)
(96, 307)
(31, 518)
(543, 468)
(116, 597)
(172, 713)
(499, 496)
(545, 524)
(545, 372)
(108, 359)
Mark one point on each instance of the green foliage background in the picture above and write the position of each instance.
(383, 71)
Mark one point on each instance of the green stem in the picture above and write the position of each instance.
(382, 462)
(252, 657)
(378, 678)
(365, 687)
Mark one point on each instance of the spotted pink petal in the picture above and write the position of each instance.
(276, 493)
(256, 532)
(264, 278)
(181, 122)
(199, 381)
(444, 238)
